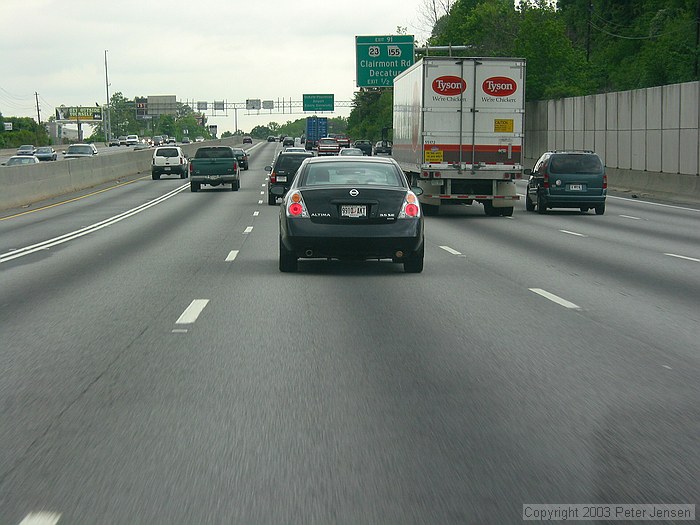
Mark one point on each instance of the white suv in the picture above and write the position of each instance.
(167, 160)
(132, 140)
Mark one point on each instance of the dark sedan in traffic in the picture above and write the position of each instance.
(353, 208)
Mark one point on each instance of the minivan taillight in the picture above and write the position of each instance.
(273, 177)
(605, 182)
(546, 181)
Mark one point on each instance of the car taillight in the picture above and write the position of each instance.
(273, 177)
(605, 182)
(295, 205)
(182, 161)
(546, 181)
(410, 208)
(191, 167)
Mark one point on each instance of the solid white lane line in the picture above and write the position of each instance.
(573, 233)
(192, 312)
(450, 250)
(232, 255)
(555, 298)
(682, 257)
(41, 518)
(256, 213)
(248, 229)
(630, 217)
(654, 203)
(88, 229)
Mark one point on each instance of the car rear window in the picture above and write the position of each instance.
(575, 163)
(167, 152)
(80, 149)
(341, 173)
(289, 163)
(214, 153)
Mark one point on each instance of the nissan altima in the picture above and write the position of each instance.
(351, 208)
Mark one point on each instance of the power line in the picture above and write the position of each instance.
(648, 37)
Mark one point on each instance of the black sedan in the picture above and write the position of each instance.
(242, 157)
(351, 208)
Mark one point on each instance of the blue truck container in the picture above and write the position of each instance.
(316, 128)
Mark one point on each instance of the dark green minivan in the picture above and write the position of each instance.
(567, 179)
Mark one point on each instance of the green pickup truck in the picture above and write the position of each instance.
(214, 165)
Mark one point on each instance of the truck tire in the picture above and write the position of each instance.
(288, 261)
(541, 205)
(600, 209)
(414, 262)
(430, 210)
(506, 212)
(194, 187)
(271, 199)
(155, 176)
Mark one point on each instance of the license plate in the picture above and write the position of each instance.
(167, 169)
(576, 187)
(353, 210)
(281, 179)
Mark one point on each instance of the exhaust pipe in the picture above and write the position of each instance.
(308, 253)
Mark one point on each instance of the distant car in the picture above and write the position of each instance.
(242, 157)
(20, 160)
(328, 146)
(45, 153)
(122, 140)
(158, 140)
(293, 149)
(349, 152)
(351, 208)
(169, 160)
(271, 138)
(283, 171)
(185, 140)
(26, 149)
(343, 140)
(288, 141)
(383, 146)
(114, 141)
(364, 145)
(79, 151)
(247, 140)
(172, 140)
(567, 179)
(132, 140)
(199, 139)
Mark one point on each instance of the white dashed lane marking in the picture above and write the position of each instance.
(193, 311)
(555, 298)
(41, 518)
(248, 229)
(630, 217)
(573, 233)
(450, 250)
(232, 256)
(256, 213)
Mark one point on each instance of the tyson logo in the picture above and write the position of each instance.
(449, 85)
(499, 86)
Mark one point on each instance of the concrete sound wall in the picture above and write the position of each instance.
(647, 138)
(23, 185)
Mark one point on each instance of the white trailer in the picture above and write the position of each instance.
(458, 130)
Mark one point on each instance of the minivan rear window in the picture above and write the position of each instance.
(575, 163)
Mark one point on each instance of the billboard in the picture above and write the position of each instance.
(162, 105)
(79, 113)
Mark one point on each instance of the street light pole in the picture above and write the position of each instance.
(108, 121)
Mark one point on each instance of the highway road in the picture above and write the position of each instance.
(156, 367)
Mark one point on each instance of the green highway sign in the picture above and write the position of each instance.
(319, 102)
(380, 58)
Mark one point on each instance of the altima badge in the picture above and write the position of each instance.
(354, 193)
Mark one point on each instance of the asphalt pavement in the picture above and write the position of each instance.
(156, 367)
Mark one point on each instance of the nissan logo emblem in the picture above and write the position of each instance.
(354, 193)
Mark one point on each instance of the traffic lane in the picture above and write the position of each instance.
(325, 407)
(654, 295)
(73, 308)
(72, 212)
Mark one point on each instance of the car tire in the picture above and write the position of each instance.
(506, 212)
(288, 261)
(414, 262)
(541, 206)
(155, 176)
(271, 199)
(600, 209)
(183, 175)
(194, 187)
(529, 205)
(430, 210)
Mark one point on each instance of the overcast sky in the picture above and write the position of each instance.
(206, 50)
